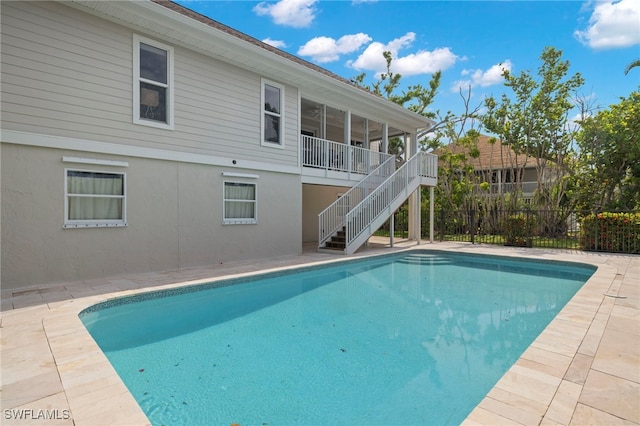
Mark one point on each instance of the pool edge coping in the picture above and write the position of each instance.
(120, 407)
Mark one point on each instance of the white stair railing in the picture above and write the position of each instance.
(331, 219)
(366, 217)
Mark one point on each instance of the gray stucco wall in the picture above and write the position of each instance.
(174, 215)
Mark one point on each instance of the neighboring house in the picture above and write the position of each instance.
(141, 136)
(499, 166)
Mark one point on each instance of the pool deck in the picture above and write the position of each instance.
(583, 369)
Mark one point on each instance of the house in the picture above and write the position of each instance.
(497, 165)
(141, 136)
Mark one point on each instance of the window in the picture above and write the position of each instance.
(240, 203)
(94, 199)
(153, 83)
(272, 115)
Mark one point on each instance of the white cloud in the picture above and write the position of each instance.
(612, 24)
(421, 62)
(291, 13)
(480, 78)
(278, 44)
(327, 49)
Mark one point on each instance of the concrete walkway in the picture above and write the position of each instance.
(583, 369)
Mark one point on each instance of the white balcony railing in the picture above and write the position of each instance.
(337, 156)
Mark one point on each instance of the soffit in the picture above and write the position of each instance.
(171, 22)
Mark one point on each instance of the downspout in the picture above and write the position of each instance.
(431, 213)
(414, 226)
(418, 214)
(392, 229)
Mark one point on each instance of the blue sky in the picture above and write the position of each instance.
(468, 40)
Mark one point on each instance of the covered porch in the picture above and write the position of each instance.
(339, 144)
(356, 171)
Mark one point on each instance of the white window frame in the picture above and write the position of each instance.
(280, 87)
(235, 220)
(94, 223)
(169, 125)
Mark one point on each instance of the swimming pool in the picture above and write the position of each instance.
(410, 338)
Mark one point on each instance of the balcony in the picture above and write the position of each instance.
(322, 158)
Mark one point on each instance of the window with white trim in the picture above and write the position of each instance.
(94, 199)
(240, 203)
(152, 83)
(272, 114)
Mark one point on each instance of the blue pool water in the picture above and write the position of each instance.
(414, 338)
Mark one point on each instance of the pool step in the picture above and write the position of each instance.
(425, 260)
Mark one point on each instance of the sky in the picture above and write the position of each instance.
(470, 41)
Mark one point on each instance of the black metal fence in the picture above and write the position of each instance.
(594, 231)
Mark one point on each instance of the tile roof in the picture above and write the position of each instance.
(493, 155)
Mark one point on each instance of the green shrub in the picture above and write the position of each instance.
(612, 232)
(518, 229)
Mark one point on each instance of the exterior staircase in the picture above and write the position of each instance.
(348, 222)
(338, 241)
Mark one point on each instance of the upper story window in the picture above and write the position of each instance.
(152, 83)
(272, 114)
(94, 199)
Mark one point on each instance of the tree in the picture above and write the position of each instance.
(632, 65)
(609, 142)
(535, 121)
(418, 97)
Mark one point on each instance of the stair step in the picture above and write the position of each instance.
(335, 245)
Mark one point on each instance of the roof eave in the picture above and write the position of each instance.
(169, 24)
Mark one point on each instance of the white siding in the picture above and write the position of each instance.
(67, 73)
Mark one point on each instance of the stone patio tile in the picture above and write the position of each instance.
(6, 303)
(548, 362)
(624, 324)
(589, 416)
(564, 403)
(555, 344)
(30, 389)
(81, 289)
(12, 336)
(591, 340)
(631, 302)
(27, 301)
(612, 394)
(622, 364)
(527, 386)
(519, 415)
(485, 417)
(516, 400)
(51, 411)
(111, 405)
(76, 374)
(23, 316)
(620, 341)
(66, 349)
(622, 311)
(549, 422)
(579, 368)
